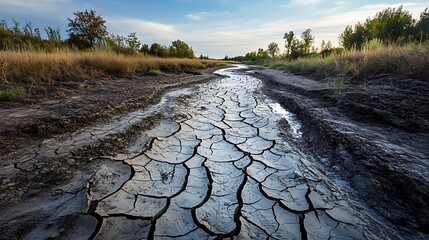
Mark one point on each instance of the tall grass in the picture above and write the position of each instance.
(26, 67)
(407, 61)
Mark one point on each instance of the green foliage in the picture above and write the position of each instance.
(17, 93)
(27, 38)
(289, 39)
(373, 44)
(159, 50)
(145, 49)
(155, 72)
(86, 29)
(391, 26)
(180, 49)
(326, 48)
(422, 27)
(307, 41)
(53, 34)
(273, 49)
(133, 42)
(296, 48)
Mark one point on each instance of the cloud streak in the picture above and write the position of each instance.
(203, 15)
(33, 7)
(145, 29)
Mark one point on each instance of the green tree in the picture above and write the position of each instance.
(394, 25)
(159, 50)
(53, 34)
(181, 49)
(37, 33)
(86, 29)
(346, 38)
(307, 40)
(16, 30)
(289, 39)
(28, 29)
(262, 53)
(3, 24)
(390, 26)
(273, 49)
(144, 49)
(422, 27)
(328, 45)
(323, 45)
(133, 42)
(296, 49)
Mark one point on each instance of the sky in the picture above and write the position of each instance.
(212, 27)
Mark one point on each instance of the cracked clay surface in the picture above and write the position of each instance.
(218, 166)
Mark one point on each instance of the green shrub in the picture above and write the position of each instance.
(155, 72)
(18, 93)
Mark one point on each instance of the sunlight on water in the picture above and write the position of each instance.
(294, 123)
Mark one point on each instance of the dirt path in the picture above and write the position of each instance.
(220, 159)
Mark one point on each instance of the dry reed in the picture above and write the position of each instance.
(407, 61)
(23, 67)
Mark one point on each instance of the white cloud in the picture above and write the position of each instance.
(196, 16)
(32, 7)
(306, 3)
(144, 29)
(202, 15)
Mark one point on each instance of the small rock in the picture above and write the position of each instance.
(13, 223)
(58, 192)
(55, 235)
(71, 161)
(10, 184)
(6, 181)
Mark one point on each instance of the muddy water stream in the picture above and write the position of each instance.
(219, 165)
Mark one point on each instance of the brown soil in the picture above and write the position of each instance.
(375, 136)
(72, 105)
(33, 132)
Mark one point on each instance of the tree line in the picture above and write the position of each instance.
(391, 26)
(85, 31)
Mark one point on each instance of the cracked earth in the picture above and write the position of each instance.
(219, 166)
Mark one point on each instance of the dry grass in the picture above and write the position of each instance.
(408, 61)
(29, 67)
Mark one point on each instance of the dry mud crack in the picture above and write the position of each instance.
(223, 162)
(218, 166)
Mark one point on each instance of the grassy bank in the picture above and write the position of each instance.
(407, 61)
(24, 73)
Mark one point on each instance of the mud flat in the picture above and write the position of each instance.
(373, 137)
(220, 159)
(47, 142)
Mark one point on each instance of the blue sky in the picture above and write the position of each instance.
(212, 27)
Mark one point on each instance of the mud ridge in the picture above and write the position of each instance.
(381, 161)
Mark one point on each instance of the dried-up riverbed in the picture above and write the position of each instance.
(218, 165)
(224, 161)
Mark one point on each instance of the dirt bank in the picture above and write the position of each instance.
(376, 136)
(48, 145)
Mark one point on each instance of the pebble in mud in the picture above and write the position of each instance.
(218, 167)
